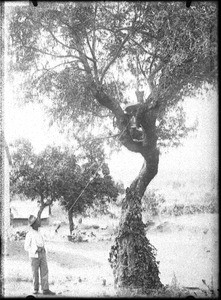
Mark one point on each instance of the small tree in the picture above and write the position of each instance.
(27, 176)
(93, 183)
(40, 176)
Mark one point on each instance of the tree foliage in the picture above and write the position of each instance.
(55, 175)
(40, 176)
(23, 160)
(94, 184)
(69, 50)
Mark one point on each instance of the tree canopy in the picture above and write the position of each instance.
(40, 176)
(55, 175)
(94, 184)
(73, 51)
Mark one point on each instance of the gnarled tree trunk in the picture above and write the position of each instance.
(132, 257)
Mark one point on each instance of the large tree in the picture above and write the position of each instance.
(83, 58)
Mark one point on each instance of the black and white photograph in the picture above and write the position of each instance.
(109, 149)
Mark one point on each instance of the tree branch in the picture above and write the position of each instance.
(72, 48)
(45, 71)
(77, 47)
(153, 59)
(141, 69)
(129, 143)
(155, 71)
(93, 55)
(115, 56)
(108, 137)
(146, 51)
(46, 53)
(123, 121)
(64, 63)
(94, 29)
(57, 40)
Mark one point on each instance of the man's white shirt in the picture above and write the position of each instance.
(33, 240)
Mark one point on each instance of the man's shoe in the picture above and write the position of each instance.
(48, 292)
(36, 292)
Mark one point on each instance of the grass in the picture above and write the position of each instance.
(173, 290)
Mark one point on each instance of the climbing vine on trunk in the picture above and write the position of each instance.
(132, 257)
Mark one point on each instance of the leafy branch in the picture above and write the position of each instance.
(115, 56)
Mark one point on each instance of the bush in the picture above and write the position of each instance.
(212, 202)
(178, 209)
(19, 235)
(151, 203)
(192, 209)
(101, 208)
(77, 237)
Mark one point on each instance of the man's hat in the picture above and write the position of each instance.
(31, 219)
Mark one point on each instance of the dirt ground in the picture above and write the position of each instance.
(187, 248)
(74, 269)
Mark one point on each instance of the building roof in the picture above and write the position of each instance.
(23, 209)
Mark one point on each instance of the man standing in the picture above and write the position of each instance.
(34, 244)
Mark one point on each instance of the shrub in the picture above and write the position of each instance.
(182, 209)
(151, 203)
(101, 208)
(178, 209)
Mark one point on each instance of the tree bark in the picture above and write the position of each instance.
(49, 210)
(71, 223)
(42, 207)
(132, 257)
